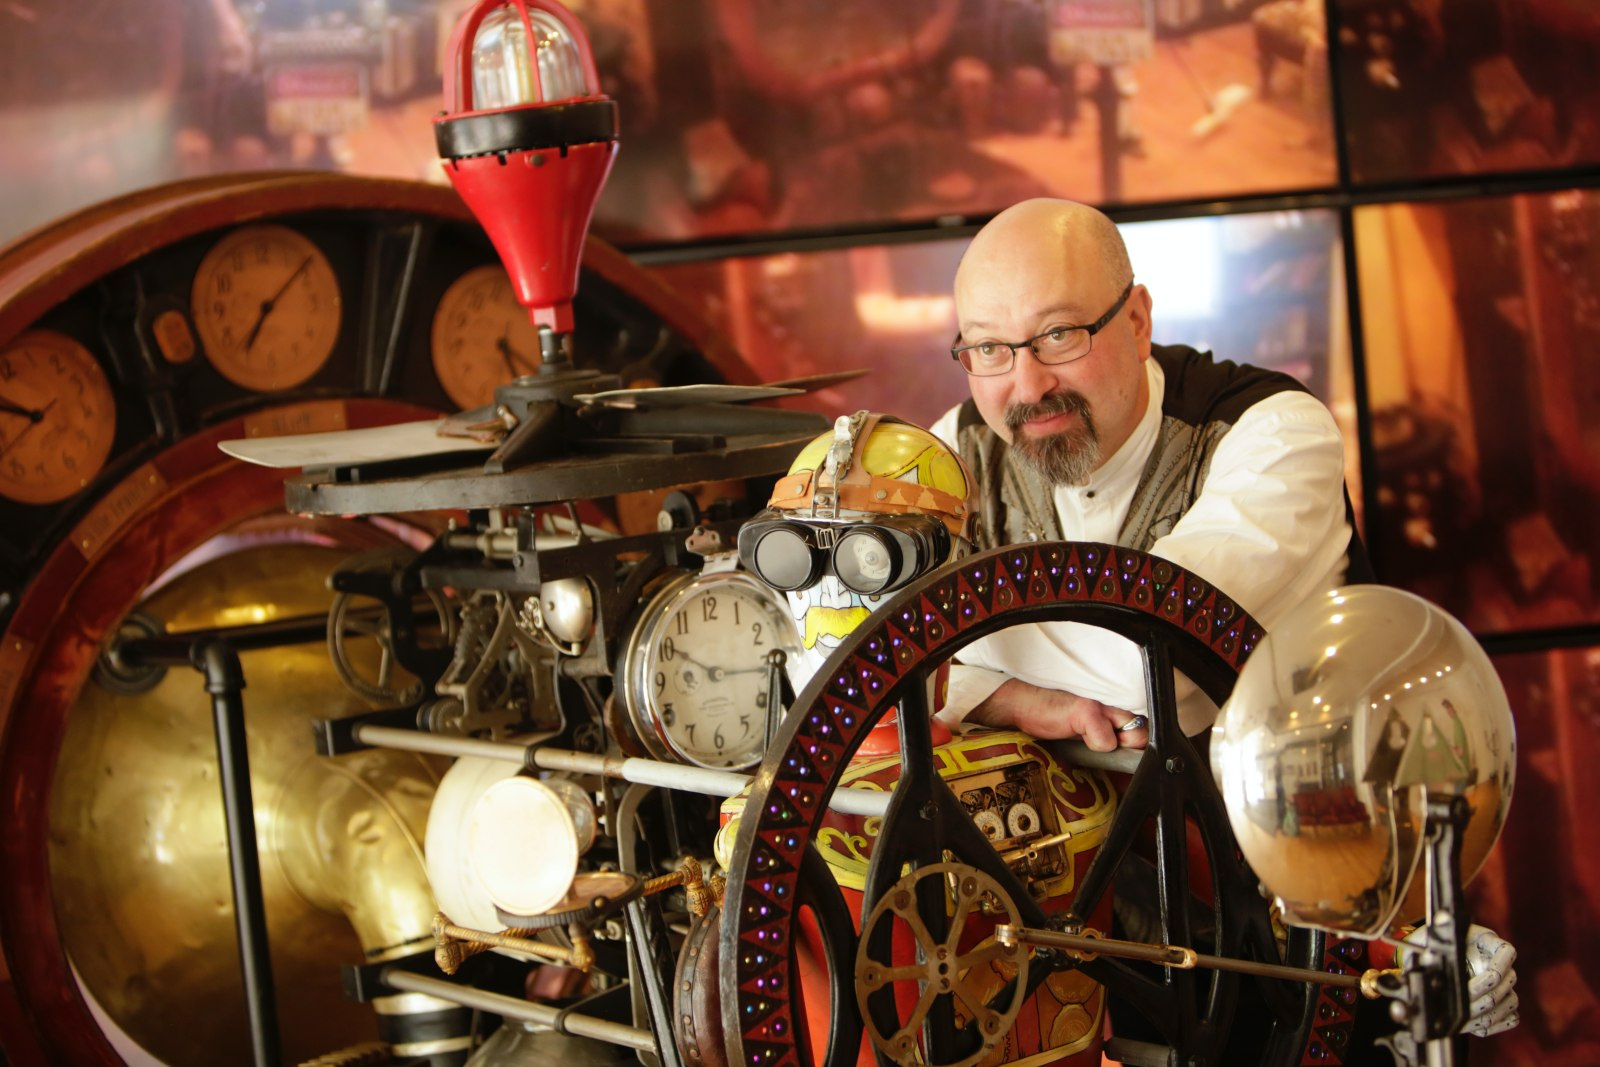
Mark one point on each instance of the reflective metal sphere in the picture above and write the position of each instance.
(1347, 715)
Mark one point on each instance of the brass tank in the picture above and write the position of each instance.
(138, 848)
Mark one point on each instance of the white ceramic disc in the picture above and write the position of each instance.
(522, 845)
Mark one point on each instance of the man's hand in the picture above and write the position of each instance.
(1053, 714)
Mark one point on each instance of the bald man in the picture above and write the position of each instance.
(1081, 429)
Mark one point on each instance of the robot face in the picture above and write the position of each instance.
(865, 511)
(825, 612)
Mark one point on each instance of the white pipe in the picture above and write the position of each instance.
(867, 802)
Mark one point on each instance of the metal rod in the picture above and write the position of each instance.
(1278, 970)
(1170, 955)
(1177, 956)
(225, 681)
(171, 650)
(511, 1007)
(867, 802)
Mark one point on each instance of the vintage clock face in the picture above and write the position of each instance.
(695, 672)
(482, 337)
(266, 305)
(57, 418)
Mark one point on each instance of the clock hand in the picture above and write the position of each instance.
(504, 349)
(9, 445)
(271, 302)
(17, 409)
(512, 357)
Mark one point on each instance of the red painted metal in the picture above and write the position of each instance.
(535, 206)
(534, 203)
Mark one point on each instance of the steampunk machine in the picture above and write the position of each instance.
(482, 668)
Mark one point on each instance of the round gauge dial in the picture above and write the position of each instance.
(482, 337)
(266, 305)
(695, 672)
(57, 418)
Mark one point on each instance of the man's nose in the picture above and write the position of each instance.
(1030, 379)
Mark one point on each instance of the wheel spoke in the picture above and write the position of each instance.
(986, 952)
(374, 627)
(891, 975)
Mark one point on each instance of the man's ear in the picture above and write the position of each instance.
(1139, 305)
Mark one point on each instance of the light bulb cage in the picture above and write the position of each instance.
(464, 132)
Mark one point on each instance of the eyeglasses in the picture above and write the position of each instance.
(1062, 344)
(867, 557)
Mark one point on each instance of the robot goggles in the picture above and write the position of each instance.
(870, 558)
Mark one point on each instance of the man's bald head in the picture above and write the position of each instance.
(1024, 234)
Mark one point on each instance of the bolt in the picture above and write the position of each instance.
(1175, 765)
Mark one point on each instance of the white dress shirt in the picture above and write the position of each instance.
(1268, 529)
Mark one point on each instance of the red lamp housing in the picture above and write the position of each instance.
(528, 139)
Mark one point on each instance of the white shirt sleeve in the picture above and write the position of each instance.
(945, 428)
(1268, 529)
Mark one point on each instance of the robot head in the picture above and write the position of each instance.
(864, 510)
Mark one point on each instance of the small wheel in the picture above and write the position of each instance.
(362, 640)
(937, 922)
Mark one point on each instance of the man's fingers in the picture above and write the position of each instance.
(1097, 731)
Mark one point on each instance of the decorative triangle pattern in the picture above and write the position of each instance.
(1335, 1010)
(891, 647)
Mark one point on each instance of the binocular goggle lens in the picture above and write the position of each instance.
(867, 559)
(783, 559)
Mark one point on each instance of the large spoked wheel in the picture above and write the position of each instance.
(1178, 620)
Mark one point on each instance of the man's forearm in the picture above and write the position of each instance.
(1054, 714)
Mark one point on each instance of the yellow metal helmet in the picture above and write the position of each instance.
(876, 463)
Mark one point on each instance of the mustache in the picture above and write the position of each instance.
(1048, 407)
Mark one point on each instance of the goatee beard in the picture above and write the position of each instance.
(1064, 458)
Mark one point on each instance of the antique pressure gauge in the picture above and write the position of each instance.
(57, 418)
(694, 675)
(481, 336)
(266, 305)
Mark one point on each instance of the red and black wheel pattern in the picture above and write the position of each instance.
(1179, 621)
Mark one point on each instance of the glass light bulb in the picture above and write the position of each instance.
(503, 65)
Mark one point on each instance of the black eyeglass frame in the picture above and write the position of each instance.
(1091, 329)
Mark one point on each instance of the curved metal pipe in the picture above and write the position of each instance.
(347, 835)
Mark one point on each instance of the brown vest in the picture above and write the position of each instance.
(1201, 402)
